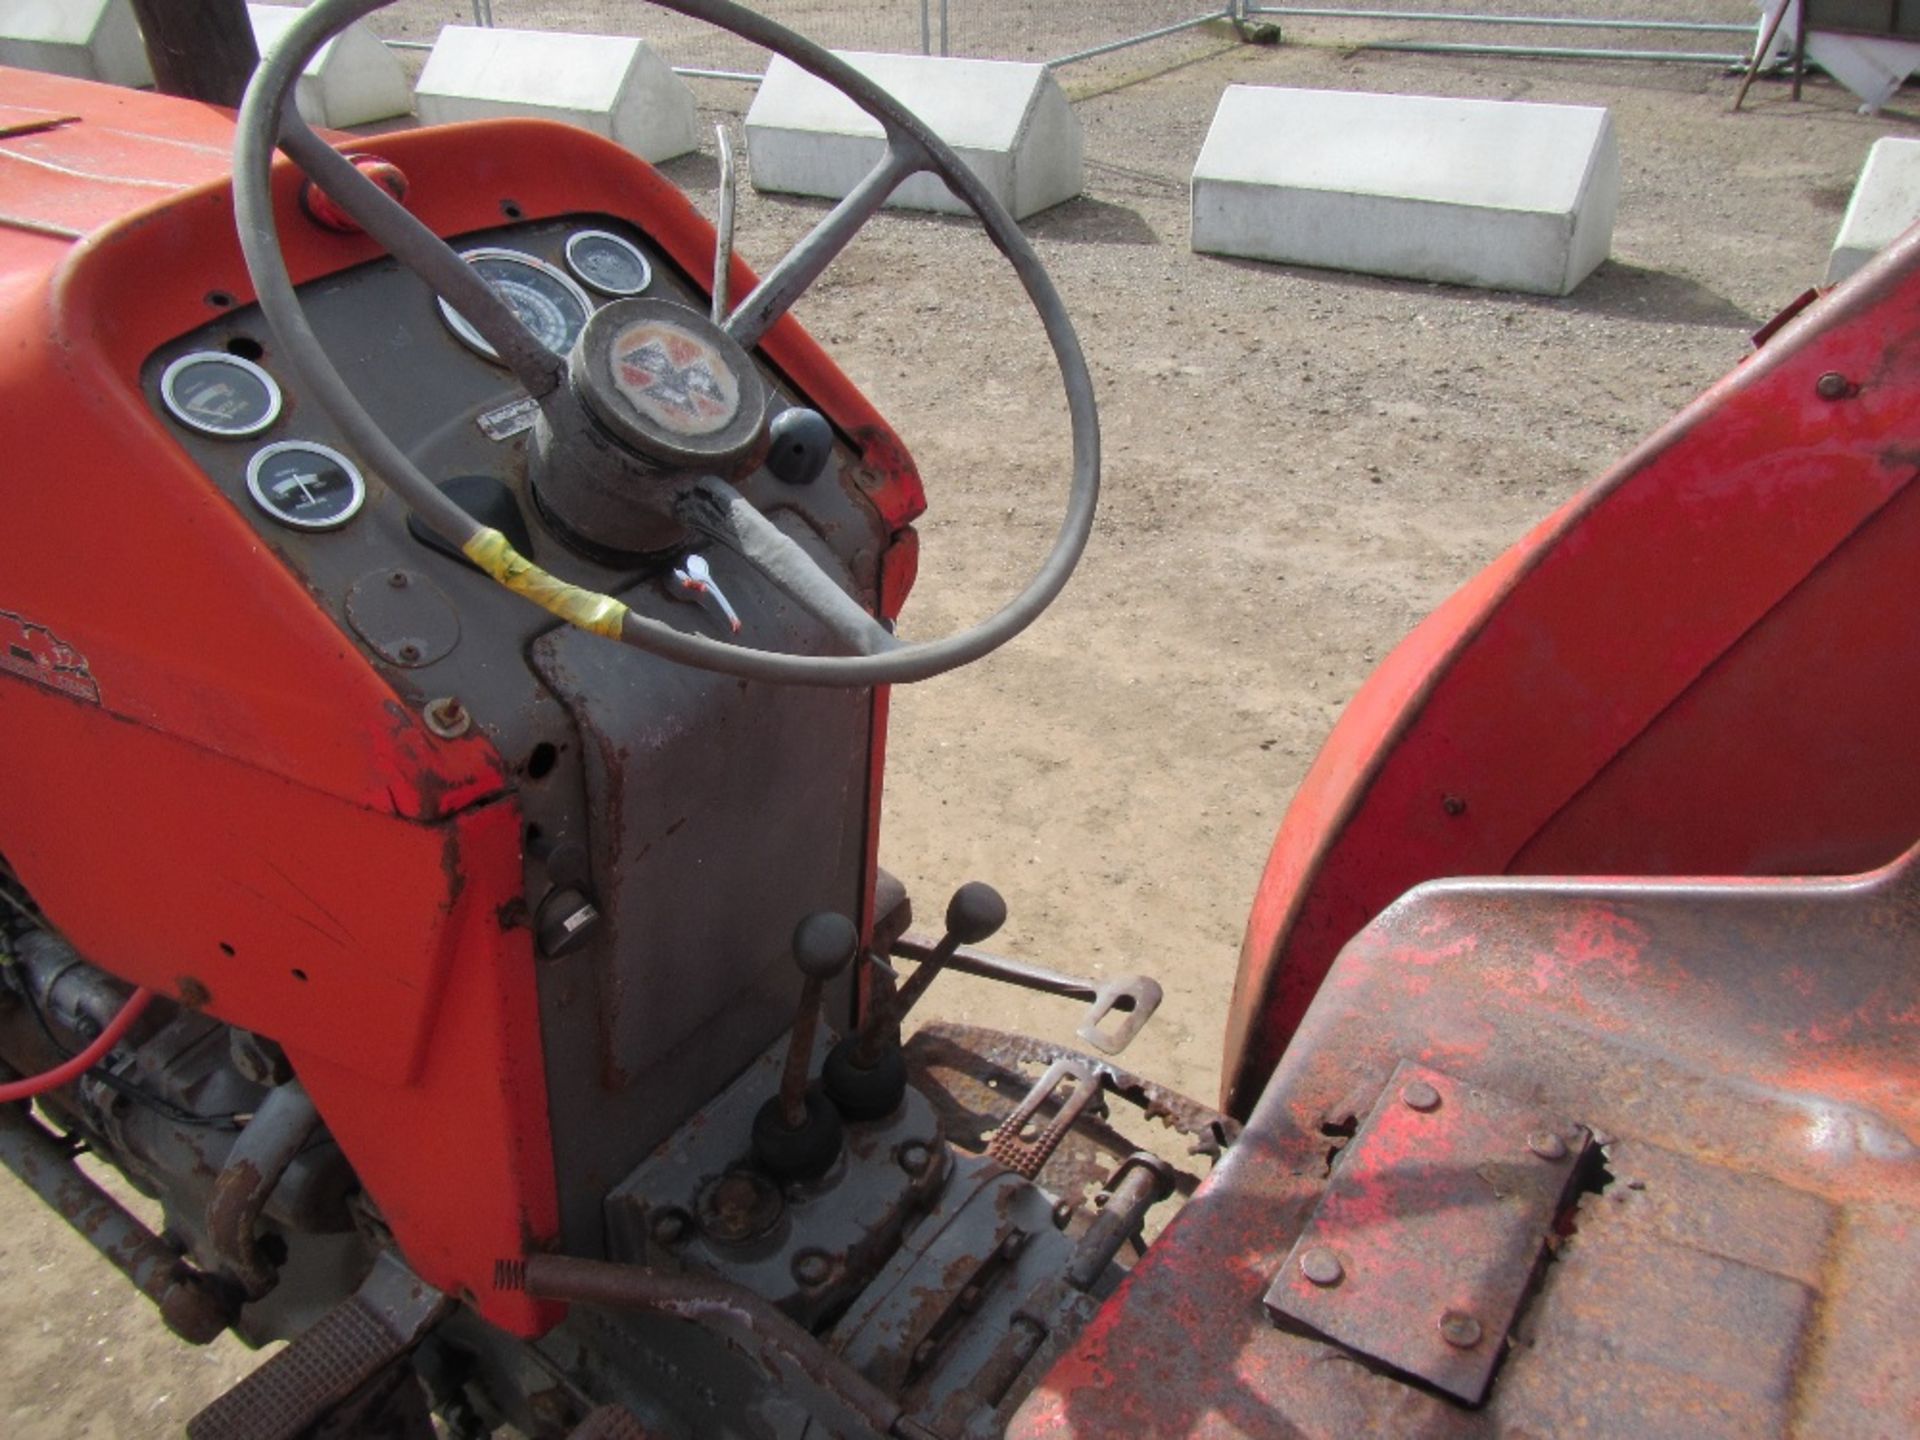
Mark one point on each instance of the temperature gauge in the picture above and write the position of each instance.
(307, 486)
(220, 394)
(608, 263)
(545, 300)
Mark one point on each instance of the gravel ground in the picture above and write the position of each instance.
(1300, 464)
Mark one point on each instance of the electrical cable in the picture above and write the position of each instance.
(73, 1069)
(120, 1085)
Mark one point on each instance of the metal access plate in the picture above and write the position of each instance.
(1422, 1248)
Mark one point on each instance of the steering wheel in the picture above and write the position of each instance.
(690, 495)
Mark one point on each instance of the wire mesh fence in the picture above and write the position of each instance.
(1031, 30)
(1061, 32)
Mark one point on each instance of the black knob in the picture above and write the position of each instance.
(975, 912)
(823, 944)
(798, 443)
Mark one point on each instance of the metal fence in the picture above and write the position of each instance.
(1061, 32)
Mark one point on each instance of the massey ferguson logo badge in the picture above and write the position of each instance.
(33, 652)
(676, 380)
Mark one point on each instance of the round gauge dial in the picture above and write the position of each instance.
(305, 485)
(220, 394)
(608, 263)
(547, 302)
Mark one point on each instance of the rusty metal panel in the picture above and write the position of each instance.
(1427, 1239)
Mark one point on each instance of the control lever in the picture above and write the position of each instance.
(797, 1133)
(865, 1074)
(723, 232)
(1133, 997)
(694, 578)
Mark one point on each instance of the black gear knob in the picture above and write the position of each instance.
(824, 943)
(975, 912)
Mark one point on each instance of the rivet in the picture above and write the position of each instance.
(1419, 1095)
(397, 579)
(1322, 1266)
(1832, 386)
(1453, 805)
(1547, 1145)
(1460, 1329)
(669, 1227)
(913, 1157)
(811, 1268)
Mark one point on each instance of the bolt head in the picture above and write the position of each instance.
(669, 1227)
(1419, 1095)
(914, 1157)
(812, 1267)
(1547, 1145)
(1322, 1266)
(1460, 1330)
(1832, 386)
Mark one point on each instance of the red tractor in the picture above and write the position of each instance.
(440, 859)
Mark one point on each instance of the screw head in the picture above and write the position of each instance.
(812, 1268)
(1832, 386)
(445, 716)
(1322, 1266)
(669, 1227)
(1460, 1330)
(1547, 1145)
(1419, 1095)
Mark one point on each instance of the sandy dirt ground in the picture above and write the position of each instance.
(1299, 466)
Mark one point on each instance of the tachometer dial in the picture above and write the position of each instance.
(608, 263)
(548, 303)
(220, 394)
(305, 485)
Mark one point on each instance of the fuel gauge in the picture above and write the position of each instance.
(220, 394)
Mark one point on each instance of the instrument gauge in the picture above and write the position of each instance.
(220, 394)
(544, 298)
(608, 263)
(305, 485)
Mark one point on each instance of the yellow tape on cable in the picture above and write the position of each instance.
(588, 609)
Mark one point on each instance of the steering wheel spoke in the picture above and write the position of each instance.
(808, 260)
(425, 253)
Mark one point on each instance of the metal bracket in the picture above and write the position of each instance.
(1426, 1240)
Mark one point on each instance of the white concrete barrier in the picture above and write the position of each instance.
(1886, 200)
(93, 39)
(1010, 123)
(613, 85)
(1471, 192)
(353, 79)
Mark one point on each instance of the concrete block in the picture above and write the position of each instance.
(1886, 201)
(352, 80)
(93, 39)
(1010, 123)
(1470, 192)
(613, 85)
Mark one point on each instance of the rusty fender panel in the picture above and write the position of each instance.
(1745, 1259)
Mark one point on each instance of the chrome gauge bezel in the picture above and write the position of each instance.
(170, 377)
(274, 513)
(619, 242)
(471, 337)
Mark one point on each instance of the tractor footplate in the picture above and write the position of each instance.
(349, 1345)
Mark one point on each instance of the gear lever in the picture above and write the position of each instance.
(864, 1073)
(796, 1134)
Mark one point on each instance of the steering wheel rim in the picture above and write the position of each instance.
(268, 121)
